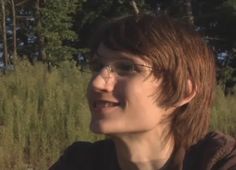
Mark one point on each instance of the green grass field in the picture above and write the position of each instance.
(42, 112)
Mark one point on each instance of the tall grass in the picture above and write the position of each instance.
(42, 112)
(224, 113)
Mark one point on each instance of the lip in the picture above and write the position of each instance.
(104, 106)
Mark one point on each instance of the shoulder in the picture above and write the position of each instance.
(84, 155)
(88, 148)
(215, 151)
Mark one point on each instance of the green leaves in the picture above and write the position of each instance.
(56, 19)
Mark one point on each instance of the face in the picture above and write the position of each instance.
(123, 102)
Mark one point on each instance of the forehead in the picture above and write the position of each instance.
(106, 54)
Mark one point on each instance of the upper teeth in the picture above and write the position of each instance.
(105, 104)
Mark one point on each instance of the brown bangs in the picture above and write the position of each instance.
(130, 34)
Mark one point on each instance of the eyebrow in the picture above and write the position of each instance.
(123, 58)
(116, 57)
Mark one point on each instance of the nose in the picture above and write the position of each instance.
(105, 80)
(106, 72)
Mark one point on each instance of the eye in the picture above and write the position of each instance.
(124, 67)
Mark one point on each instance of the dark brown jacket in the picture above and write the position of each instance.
(215, 152)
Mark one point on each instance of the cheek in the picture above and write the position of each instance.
(140, 91)
(139, 97)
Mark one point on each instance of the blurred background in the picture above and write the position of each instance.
(43, 44)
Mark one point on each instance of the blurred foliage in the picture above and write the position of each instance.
(56, 28)
(41, 113)
(66, 26)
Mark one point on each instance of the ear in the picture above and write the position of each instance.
(190, 95)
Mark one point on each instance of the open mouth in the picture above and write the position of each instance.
(104, 104)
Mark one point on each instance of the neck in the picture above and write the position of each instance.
(143, 151)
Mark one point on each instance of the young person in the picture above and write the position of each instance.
(151, 92)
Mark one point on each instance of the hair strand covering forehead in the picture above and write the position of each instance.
(181, 55)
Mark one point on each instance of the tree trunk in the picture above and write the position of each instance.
(187, 4)
(134, 5)
(21, 2)
(41, 38)
(4, 33)
(14, 29)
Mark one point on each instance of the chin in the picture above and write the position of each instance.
(105, 128)
(97, 127)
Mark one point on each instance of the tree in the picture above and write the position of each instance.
(10, 4)
(14, 28)
(44, 28)
(54, 22)
(26, 32)
(216, 20)
(94, 12)
(40, 37)
(187, 5)
(181, 9)
(4, 34)
(134, 5)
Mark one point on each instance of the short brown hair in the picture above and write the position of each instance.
(178, 54)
